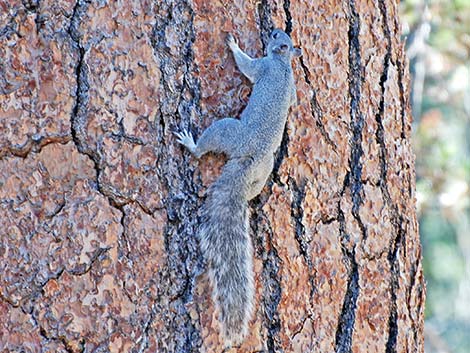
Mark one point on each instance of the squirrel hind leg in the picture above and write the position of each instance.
(260, 177)
(223, 136)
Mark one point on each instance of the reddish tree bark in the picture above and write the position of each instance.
(99, 204)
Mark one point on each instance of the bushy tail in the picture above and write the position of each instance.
(227, 248)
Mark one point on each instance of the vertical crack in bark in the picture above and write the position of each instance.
(391, 345)
(79, 112)
(346, 321)
(272, 289)
(297, 214)
(78, 117)
(279, 156)
(272, 298)
(271, 281)
(357, 120)
(344, 332)
(347, 317)
(402, 99)
(380, 132)
(401, 65)
(286, 6)
(397, 220)
(265, 22)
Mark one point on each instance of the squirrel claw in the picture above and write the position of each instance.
(230, 40)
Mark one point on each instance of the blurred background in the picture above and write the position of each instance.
(438, 45)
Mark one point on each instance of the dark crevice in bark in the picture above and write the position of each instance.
(281, 153)
(61, 339)
(391, 345)
(271, 300)
(397, 220)
(184, 262)
(272, 297)
(78, 118)
(125, 247)
(357, 119)
(82, 270)
(298, 196)
(402, 99)
(344, 332)
(401, 77)
(79, 111)
(301, 328)
(354, 179)
(286, 6)
(271, 281)
(265, 22)
(346, 320)
(380, 134)
(297, 214)
(34, 144)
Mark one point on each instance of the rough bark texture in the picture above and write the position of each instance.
(99, 205)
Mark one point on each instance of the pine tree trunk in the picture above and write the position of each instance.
(99, 204)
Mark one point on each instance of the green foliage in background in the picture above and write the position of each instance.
(438, 45)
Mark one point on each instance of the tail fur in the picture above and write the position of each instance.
(227, 248)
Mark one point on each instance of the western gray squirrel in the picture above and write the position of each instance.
(249, 144)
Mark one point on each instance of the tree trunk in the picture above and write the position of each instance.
(99, 204)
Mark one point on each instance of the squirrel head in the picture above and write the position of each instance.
(280, 45)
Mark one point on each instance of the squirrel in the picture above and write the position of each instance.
(249, 144)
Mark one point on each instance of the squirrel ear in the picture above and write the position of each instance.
(296, 52)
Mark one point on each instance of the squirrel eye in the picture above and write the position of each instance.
(275, 35)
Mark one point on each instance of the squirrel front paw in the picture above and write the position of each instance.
(186, 139)
(231, 42)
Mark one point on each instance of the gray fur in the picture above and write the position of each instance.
(249, 144)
